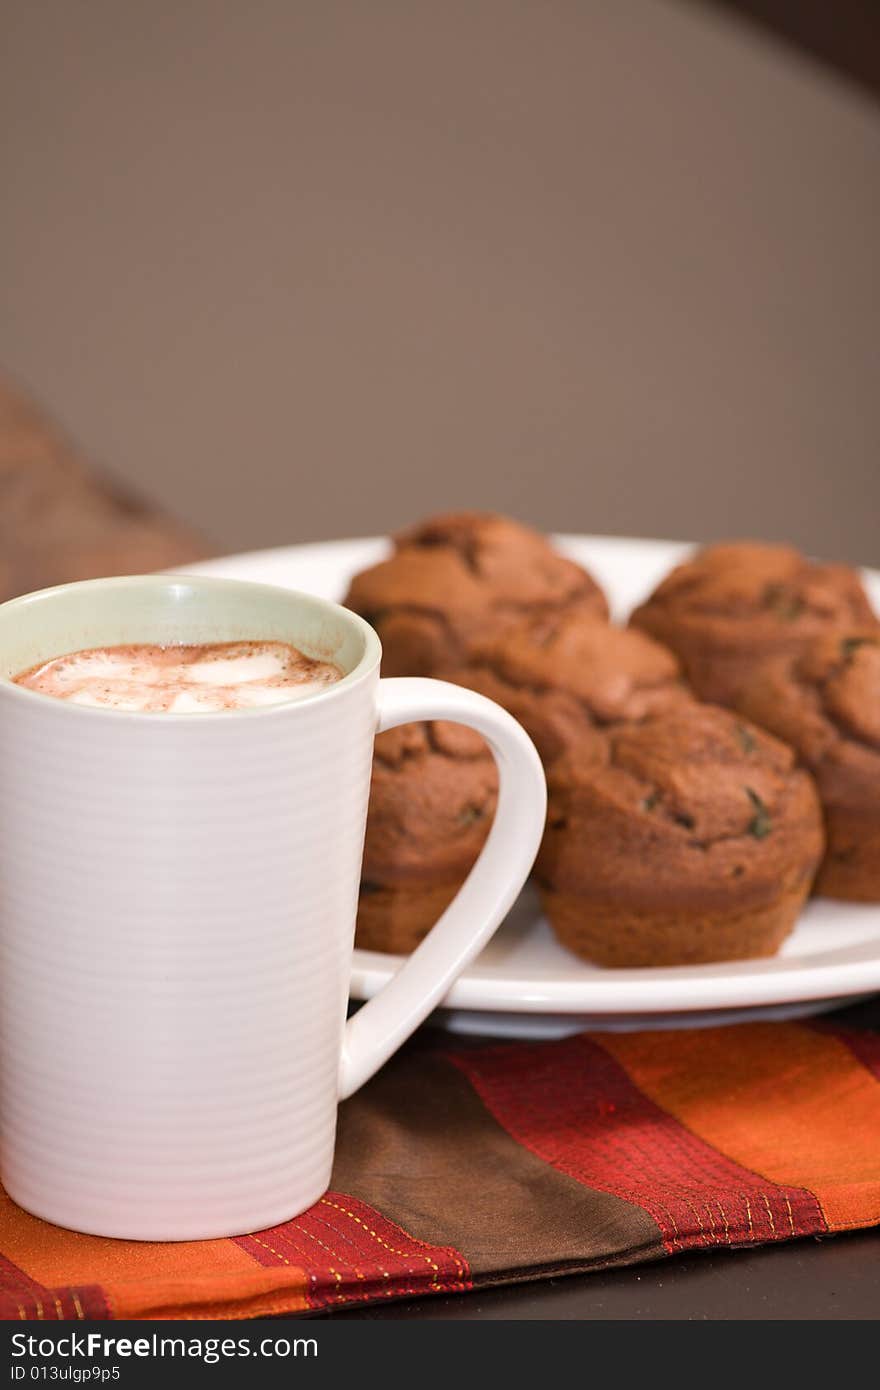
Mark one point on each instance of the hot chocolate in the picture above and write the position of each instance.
(182, 679)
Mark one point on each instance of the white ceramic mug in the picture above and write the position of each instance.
(177, 905)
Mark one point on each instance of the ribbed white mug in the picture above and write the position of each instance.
(177, 906)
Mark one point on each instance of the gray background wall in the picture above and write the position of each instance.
(304, 269)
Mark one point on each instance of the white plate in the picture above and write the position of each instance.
(525, 982)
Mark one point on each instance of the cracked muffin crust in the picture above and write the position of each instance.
(732, 607)
(825, 702)
(432, 799)
(691, 837)
(563, 674)
(460, 579)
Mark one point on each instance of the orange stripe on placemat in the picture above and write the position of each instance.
(351, 1252)
(22, 1297)
(574, 1106)
(862, 1043)
(785, 1100)
(136, 1279)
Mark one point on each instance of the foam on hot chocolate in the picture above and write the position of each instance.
(182, 679)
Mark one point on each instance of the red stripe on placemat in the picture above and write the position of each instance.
(575, 1107)
(22, 1297)
(864, 1045)
(351, 1252)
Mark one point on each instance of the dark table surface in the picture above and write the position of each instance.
(828, 1278)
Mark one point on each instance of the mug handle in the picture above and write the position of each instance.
(490, 889)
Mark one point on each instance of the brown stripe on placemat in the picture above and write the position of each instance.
(578, 1109)
(418, 1144)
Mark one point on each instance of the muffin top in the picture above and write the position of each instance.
(432, 799)
(825, 702)
(748, 601)
(462, 578)
(560, 674)
(696, 807)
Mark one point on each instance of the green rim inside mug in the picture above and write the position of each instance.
(168, 609)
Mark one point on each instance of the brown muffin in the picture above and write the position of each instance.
(457, 580)
(691, 837)
(563, 674)
(732, 607)
(825, 702)
(432, 800)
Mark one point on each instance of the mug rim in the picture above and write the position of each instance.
(365, 666)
